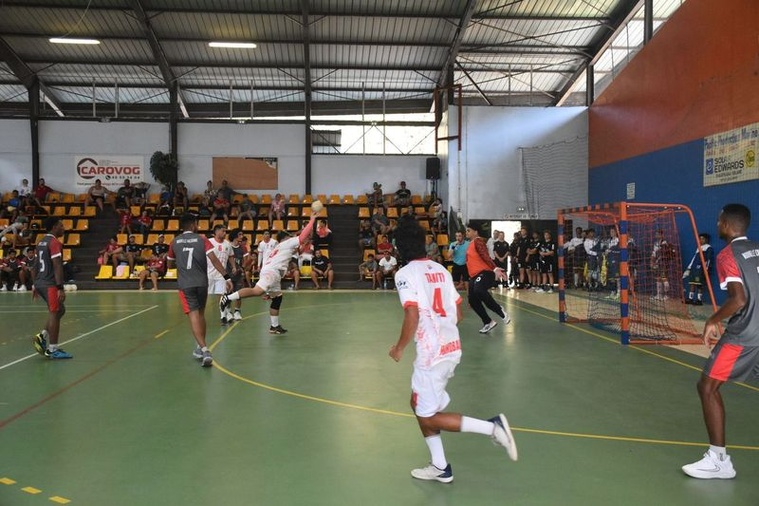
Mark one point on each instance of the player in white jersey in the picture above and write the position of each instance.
(273, 267)
(217, 285)
(265, 247)
(432, 308)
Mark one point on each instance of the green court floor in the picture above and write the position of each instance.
(320, 416)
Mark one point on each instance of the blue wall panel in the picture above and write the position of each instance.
(675, 175)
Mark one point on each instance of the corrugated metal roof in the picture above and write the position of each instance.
(357, 49)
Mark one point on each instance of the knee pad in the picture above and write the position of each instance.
(276, 302)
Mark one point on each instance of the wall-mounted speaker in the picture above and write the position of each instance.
(433, 168)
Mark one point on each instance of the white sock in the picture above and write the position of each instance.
(437, 453)
(719, 451)
(52, 347)
(204, 349)
(274, 321)
(477, 426)
(234, 296)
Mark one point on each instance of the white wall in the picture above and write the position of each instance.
(62, 141)
(15, 154)
(485, 178)
(200, 142)
(354, 174)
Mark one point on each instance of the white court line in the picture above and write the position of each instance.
(45, 311)
(81, 336)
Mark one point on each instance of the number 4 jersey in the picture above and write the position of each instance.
(429, 286)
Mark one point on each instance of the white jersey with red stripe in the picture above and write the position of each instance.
(222, 250)
(278, 258)
(264, 249)
(429, 286)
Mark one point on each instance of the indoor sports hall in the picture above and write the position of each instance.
(633, 121)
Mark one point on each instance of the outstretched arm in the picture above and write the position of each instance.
(306, 233)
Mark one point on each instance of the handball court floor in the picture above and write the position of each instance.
(320, 416)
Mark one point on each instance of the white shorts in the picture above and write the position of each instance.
(428, 388)
(269, 281)
(217, 286)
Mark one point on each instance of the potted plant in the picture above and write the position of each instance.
(164, 168)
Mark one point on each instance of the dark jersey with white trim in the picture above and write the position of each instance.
(189, 250)
(47, 249)
(739, 262)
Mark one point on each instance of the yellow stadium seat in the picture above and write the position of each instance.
(334, 200)
(349, 200)
(82, 225)
(171, 274)
(66, 255)
(73, 240)
(106, 272)
(363, 212)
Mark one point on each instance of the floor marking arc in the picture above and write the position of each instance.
(331, 402)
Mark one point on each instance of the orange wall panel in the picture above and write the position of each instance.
(699, 75)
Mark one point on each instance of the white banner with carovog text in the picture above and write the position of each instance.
(111, 170)
(730, 157)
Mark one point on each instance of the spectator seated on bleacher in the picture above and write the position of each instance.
(387, 268)
(433, 251)
(322, 235)
(384, 246)
(132, 253)
(376, 198)
(365, 236)
(209, 194)
(402, 196)
(13, 230)
(160, 248)
(165, 200)
(12, 208)
(10, 266)
(248, 210)
(144, 222)
(96, 195)
(278, 208)
(24, 193)
(221, 208)
(39, 196)
(112, 253)
(125, 195)
(140, 193)
(368, 269)
(226, 191)
(321, 268)
(293, 272)
(181, 197)
(154, 269)
(438, 216)
(27, 264)
(380, 222)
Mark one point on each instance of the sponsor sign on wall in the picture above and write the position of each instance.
(111, 170)
(730, 157)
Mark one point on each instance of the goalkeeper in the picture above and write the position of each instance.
(696, 271)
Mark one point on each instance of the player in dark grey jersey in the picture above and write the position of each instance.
(190, 252)
(48, 285)
(736, 355)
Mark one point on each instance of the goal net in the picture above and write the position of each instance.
(620, 269)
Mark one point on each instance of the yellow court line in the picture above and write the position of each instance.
(157, 336)
(330, 402)
(631, 346)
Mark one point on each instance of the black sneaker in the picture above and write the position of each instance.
(277, 330)
(223, 303)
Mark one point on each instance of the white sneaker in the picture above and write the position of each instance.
(237, 316)
(431, 472)
(711, 467)
(502, 435)
(21, 288)
(3, 289)
(506, 317)
(539, 290)
(550, 290)
(197, 352)
(488, 327)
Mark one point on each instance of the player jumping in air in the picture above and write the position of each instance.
(274, 266)
(432, 308)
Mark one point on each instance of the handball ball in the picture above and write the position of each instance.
(317, 206)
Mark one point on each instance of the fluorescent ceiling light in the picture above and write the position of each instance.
(235, 45)
(65, 40)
